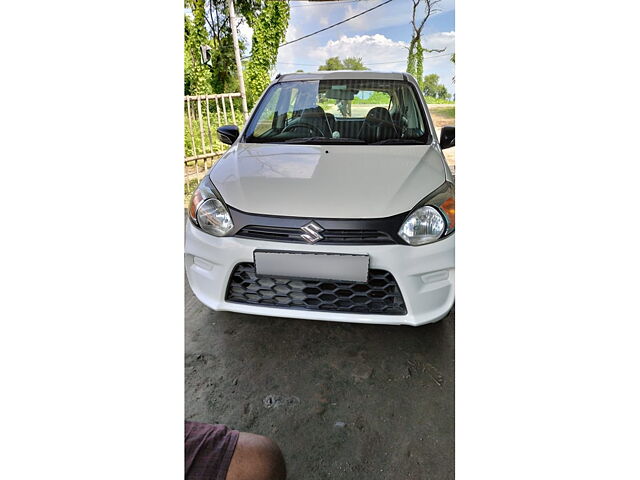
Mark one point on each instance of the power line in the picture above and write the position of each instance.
(375, 63)
(316, 4)
(400, 61)
(327, 28)
(335, 24)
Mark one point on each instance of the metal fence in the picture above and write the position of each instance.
(203, 115)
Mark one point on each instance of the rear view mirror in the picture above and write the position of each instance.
(447, 137)
(228, 134)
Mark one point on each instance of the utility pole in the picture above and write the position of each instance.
(236, 48)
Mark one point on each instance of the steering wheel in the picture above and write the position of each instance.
(304, 125)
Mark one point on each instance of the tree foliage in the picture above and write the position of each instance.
(353, 63)
(433, 88)
(208, 24)
(332, 63)
(349, 63)
(197, 77)
(269, 24)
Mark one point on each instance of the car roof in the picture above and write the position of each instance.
(343, 75)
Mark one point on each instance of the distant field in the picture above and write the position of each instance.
(446, 112)
(358, 110)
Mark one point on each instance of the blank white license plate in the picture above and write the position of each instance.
(325, 266)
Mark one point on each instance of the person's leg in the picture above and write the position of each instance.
(256, 458)
(208, 449)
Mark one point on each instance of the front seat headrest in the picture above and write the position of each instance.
(377, 126)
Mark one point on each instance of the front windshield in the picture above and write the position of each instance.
(375, 112)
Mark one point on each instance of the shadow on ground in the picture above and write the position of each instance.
(344, 401)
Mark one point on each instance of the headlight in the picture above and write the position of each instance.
(423, 226)
(207, 210)
(214, 218)
(432, 219)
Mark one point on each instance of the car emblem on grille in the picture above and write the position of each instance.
(312, 232)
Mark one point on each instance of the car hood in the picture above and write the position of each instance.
(327, 181)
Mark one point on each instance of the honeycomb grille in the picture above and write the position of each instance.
(380, 295)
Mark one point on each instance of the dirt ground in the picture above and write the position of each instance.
(343, 401)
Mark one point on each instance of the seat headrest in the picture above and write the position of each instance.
(313, 112)
(316, 116)
(378, 114)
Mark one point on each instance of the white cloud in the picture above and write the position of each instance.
(439, 41)
(289, 55)
(292, 33)
(376, 50)
(381, 53)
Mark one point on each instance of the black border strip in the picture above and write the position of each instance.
(388, 225)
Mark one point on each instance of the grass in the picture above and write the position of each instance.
(193, 146)
(447, 112)
(432, 100)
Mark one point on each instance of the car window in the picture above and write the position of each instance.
(269, 111)
(361, 111)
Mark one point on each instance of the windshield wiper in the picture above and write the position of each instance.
(325, 140)
(398, 141)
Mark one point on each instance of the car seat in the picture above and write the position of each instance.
(377, 126)
(316, 117)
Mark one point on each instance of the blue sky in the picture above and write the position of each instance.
(379, 37)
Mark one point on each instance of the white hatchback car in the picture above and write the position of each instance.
(334, 203)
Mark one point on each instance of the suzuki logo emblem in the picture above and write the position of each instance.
(312, 232)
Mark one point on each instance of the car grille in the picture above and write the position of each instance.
(331, 237)
(380, 295)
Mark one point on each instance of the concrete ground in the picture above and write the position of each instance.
(343, 401)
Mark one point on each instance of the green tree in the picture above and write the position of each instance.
(197, 77)
(433, 88)
(223, 62)
(349, 63)
(207, 23)
(353, 63)
(332, 63)
(269, 24)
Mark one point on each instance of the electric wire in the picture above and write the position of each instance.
(374, 63)
(329, 27)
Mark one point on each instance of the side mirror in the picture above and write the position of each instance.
(447, 137)
(228, 134)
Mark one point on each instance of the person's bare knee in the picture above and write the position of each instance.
(256, 458)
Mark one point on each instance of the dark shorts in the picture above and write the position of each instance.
(208, 450)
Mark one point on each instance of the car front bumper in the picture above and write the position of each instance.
(425, 276)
